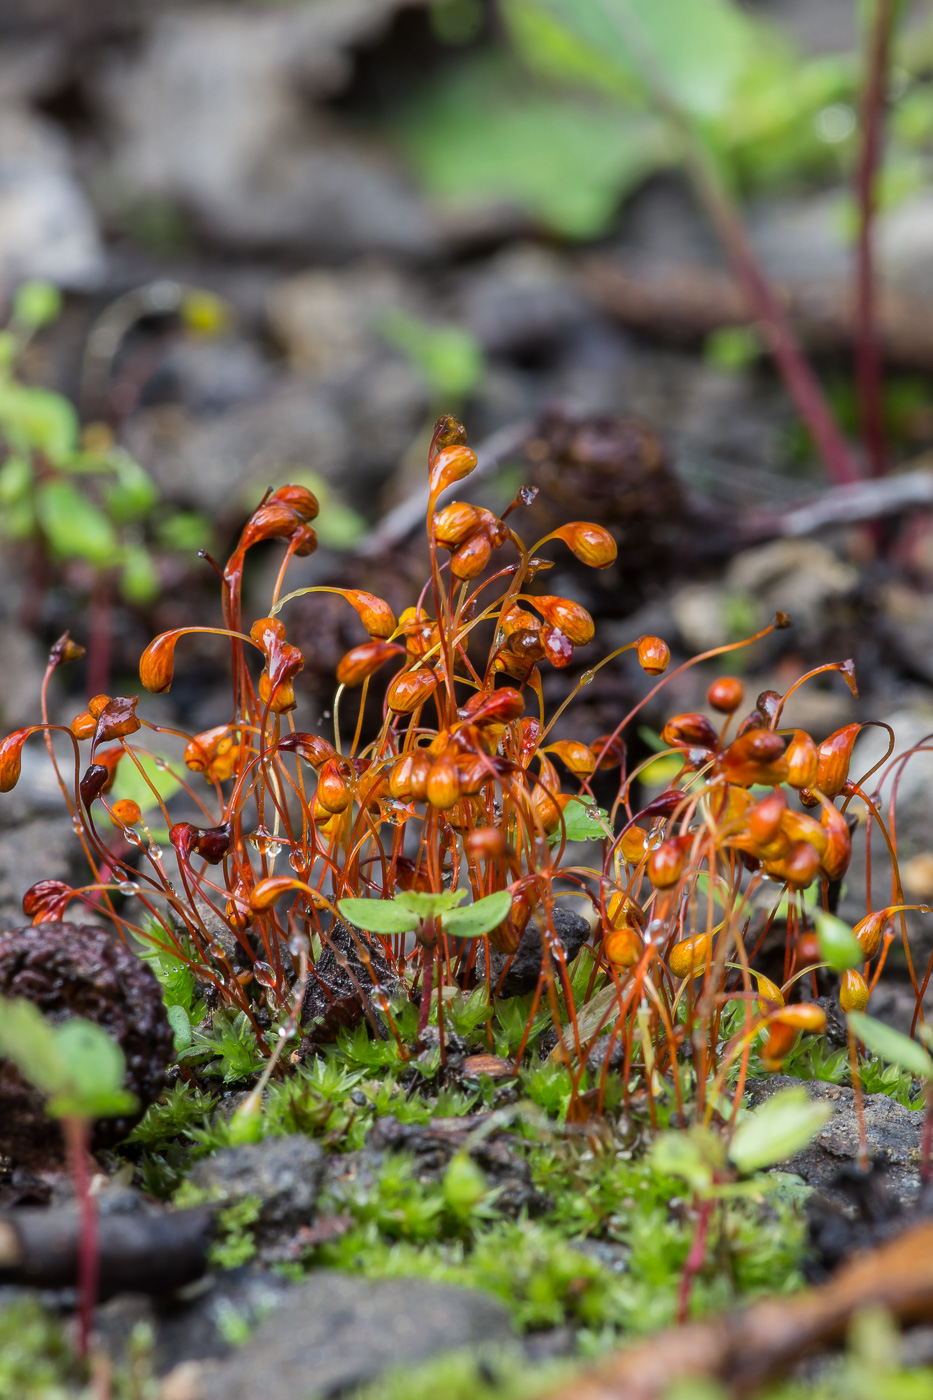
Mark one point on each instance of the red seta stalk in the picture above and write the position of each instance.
(77, 1140)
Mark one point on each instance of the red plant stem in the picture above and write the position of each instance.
(694, 1261)
(713, 192)
(868, 368)
(429, 953)
(77, 1140)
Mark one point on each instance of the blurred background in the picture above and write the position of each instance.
(671, 261)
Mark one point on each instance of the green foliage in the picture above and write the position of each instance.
(234, 1242)
(582, 821)
(449, 358)
(75, 1065)
(783, 1125)
(36, 1362)
(226, 1049)
(498, 1373)
(409, 909)
(838, 945)
(892, 1046)
(175, 1112)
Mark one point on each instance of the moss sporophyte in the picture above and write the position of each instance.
(417, 852)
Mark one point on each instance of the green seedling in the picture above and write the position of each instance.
(79, 1070)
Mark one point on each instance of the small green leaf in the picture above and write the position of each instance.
(15, 480)
(428, 906)
(383, 916)
(779, 1128)
(464, 1184)
(95, 1062)
(583, 821)
(838, 945)
(181, 1026)
(30, 1042)
(131, 493)
(38, 419)
(890, 1045)
(74, 527)
(694, 1156)
(449, 358)
(478, 919)
(36, 304)
(139, 577)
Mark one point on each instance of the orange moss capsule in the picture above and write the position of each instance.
(577, 757)
(757, 756)
(333, 792)
(98, 704)
(410, 689)
(633, 843)
(608, 750)
(302, 501)
(803, 760)
(769, 993)
(801, 865)
(443, 787)
(421, 765)
(486, 843)
(362, 661)
(400, 778)
(690, 955)
(269, 891)
(451, 464)
(835, 754)
(375, 614)
(454, 524)
(764, 820)
(726, 694)
(591, 544)
(623, 945)
(871, 930)
(568, 617)
(666, 863)
(84, 726)
(471, 558)
(689, 731)
(126, 811)
(834, 861)
(654, 655)
(11, 758)
(853, 991)
(780, 1041)
(157, 663)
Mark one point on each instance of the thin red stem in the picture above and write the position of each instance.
(77, 1139)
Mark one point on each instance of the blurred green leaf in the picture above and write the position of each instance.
(15, 480)
(74, 526)
(36, 303)
(383, 916)
(783, 1125)
(449, 358)
(131, 492)
(130, 783)
(37, 419)
(139, 577)
(77, 1065)
(839, 946)
(890, 1045)
(184, 530)
(489, 134)
(583, 821)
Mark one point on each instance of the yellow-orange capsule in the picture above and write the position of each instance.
(769, 993)
(451, 464)
(421, 765)
(362, 661)
(267, 892)
(411, 689)
(666, 863)
(633, 844)
(98, 704)
(853, 991)
(871, 930)
(454, 524)
(835, 754)
(333, 792)
(690, 955)
(802, 1016)
(577, 756)
(803, 760)
(443, 787)
(471, 558)
(84, 726)
(486, 843)
(568, 617)
(400, 778)
(834, 861)
(375, 614)
(780, 1041)
(591, 544)
(726, 694)
(623, 945)
(764, 820)
(126, 811)
(654, 655)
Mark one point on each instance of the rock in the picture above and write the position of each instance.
(20, 680)
(908, 629)
(69, 970)
(334, 1332)
(328, 319)
(238, 143)
(892, 1131)
(285, 1173)
(340, 987)
(210, 462)
(47, 227)
(525, 965)
(524, 299)
(43, 849)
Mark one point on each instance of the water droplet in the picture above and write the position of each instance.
(132, 838)
(298, 862)
(128, 887)
(264, 974)
(588, 677)
(161, 764)
(327, 714)
(216, 949)
(76, 825)
(297, 945)
(260, 839)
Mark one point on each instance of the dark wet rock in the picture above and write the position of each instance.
(328, 319)
(71, 970)
(524, 300)
(201, 1325)
(42, 848)
(892, 1133)
(353, 1175)
(334, 1331)
(525, 965)
(285, 1173)
(859, 1211)
(340, 987)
